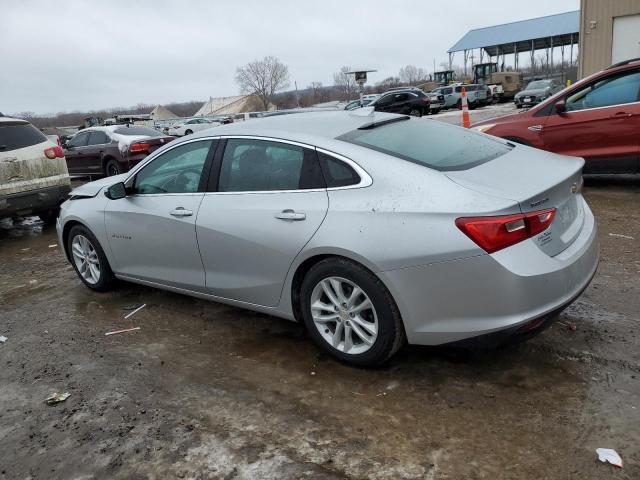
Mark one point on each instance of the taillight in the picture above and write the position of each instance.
(426, 99)
(139, 147)
(54, 152)
(495, 233)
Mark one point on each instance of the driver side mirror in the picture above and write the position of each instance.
(116, 191)
(561, 107)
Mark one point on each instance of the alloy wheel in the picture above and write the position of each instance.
(344, 315)
(86, 259)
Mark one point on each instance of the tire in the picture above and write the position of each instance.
(105, 278)
(112, 168)
(381, 324)
(188, 132)
(49, 217)
(415, 112)
(518, 106)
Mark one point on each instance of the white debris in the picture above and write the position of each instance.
(619, 235)
(53, 245)
(3, 339)
(137, 309)
(608, 455)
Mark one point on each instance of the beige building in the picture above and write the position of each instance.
(609, 33)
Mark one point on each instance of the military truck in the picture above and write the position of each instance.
(503, 85)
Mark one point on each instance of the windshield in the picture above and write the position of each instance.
(138, 131)
(432, 144)
(538, 85)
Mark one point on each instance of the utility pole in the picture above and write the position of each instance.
(297, 100)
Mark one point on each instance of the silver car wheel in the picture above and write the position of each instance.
(344, 315)
(86, 259)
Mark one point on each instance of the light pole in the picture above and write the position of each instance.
(361, 79)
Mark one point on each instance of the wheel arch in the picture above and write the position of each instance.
(66, 229)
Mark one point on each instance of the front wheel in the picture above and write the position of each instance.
(350, 313)
(88, 259)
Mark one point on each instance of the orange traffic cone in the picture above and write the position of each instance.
(466, 120)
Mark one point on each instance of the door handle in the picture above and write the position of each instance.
(622, 114)
(180, 212)
(290, 215)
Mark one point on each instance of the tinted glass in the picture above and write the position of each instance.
(538, 84)
(14, 135)
(336, 172)
(401, 97)
(260, 165)
(98, 138)
(615, 90)
(433, 144)
(79, 140)
(135, 130)
(176, 171)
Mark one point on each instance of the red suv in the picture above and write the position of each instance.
(597, 118)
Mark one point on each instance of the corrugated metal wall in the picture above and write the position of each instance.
(596, 31)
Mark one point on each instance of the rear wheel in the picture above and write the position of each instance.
(188, 132)
(415, 112)
(49, 217)
(350, 313)
(88, 259)
(112, 168)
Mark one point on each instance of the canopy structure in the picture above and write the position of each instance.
(544, 33)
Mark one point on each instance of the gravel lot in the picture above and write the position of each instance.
(204, 390)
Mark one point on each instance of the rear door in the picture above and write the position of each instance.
(75, 154)
(601, 124)
(267, 200)
(152, 231)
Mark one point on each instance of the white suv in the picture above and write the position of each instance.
(33, 171)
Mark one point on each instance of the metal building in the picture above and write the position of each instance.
(526, 36)
(610, 33)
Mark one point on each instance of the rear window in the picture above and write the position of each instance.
(138, 131)
(15, 135)
(432, 144)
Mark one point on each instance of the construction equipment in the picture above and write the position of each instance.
(444, 77)
(503, 85)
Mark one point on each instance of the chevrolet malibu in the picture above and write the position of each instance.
(371, 229)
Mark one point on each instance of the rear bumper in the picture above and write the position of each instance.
(33, 201)
(451, 301)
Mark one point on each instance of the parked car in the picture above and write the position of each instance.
(352, 105)
(536, 92)
(407, 101)
(241, 117)
(33, 173)
(111, 150)
(476, 95)
(436, 102)
(597, 118)
(370, 229)
(189, 126)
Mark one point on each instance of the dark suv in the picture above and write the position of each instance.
(111, 150)
(410, 102)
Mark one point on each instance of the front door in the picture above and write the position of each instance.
(601, 124)
(269, 201)
(152, 231)
(74, 153)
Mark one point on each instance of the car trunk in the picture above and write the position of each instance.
(157, 142)
(28, 168)
(537, 181)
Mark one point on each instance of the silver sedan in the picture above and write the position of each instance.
(371, 229)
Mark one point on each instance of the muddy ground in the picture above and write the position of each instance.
(204, 390)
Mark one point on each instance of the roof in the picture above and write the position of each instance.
(518, 35)
(223, 105)
(301, 127)
(162, 113)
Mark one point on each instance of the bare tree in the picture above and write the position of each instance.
(263, 78)
(345, 82)
(387, 83)
(412, 74)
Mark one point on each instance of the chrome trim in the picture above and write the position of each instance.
(618, 105)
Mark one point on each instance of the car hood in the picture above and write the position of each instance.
(536, 92)
(91, 189)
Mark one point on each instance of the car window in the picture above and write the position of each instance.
(79, 140)
(386, 100)
(615, 90)
(336, 172)
(19, 134)
(98, 138)
(176, 171)
(433, 144)
(447, 91)
(400, 97)
(262, 165)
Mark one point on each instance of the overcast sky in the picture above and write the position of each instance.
(78, 55)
